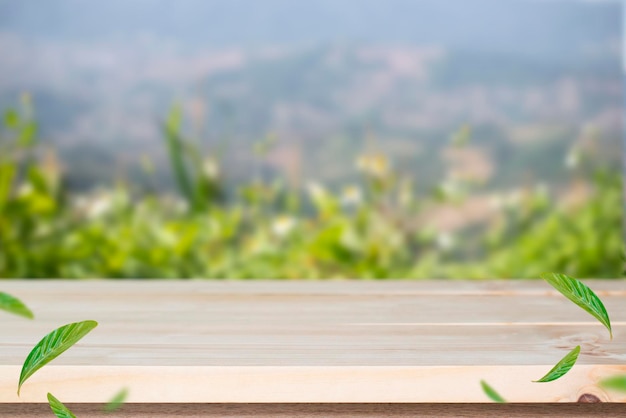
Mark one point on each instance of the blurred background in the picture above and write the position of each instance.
(310, 139)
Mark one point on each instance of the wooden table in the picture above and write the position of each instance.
(332, 348)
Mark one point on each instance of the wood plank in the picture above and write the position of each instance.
(579, 410)
(176, 384)
(332, 341)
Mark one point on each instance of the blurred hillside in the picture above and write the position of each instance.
(377, 227)
(328, 79)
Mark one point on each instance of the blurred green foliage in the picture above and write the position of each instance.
(374, 229)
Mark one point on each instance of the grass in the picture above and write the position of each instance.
(373, 229)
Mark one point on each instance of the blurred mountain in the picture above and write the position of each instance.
(524, 26)
(329, 78)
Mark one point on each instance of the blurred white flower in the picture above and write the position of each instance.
(351, 196)
(445, 241)
(99, 206)
(316, 190)
(376, 165)
(572, 159)
(509, 200)
(496, 202)
(211, 168)
(451, 189)
(283, 225)
(24, 190)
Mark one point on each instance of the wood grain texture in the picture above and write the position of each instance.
(308, 342)
(611, 410)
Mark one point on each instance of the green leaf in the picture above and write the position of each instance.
(176, 150)
(616, 383)
(27, 134)
(53, 345)
(58, 408)
(11, 118)
(7, 175)
(14, 305)
(116, 402)
(489, 391)
(562, 366)
(581, 295)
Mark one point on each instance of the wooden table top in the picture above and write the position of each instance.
(330, 341)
